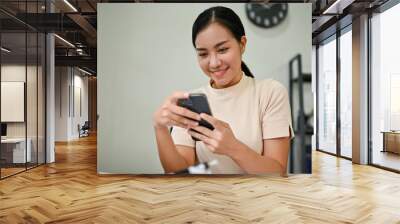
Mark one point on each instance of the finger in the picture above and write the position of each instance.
(209, 142)
(199, 136)
(182, 120)
(184, 112)
(203, 130)
(210, 119)
(176, 124)
(210, 147)
(179, 95)
(196, 135)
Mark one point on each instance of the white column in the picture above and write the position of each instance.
(50, 92)
(360, 90)
(50, 99)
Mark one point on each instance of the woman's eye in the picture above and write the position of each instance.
(222, 50)
(202, 55)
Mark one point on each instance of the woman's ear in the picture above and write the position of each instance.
(243, 41)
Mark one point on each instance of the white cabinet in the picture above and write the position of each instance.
(18, 149)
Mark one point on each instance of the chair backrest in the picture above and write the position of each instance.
(86, 125)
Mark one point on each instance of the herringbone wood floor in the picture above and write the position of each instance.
(70, 191)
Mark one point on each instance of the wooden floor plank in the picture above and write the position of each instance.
(70, 191)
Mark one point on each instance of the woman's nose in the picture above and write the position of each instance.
(215, 62)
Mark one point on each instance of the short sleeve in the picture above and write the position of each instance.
(276, 114)
(181, 137)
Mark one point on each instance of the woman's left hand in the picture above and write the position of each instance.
(221, 140)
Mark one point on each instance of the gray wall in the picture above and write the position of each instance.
(145, 53)
(68, 81)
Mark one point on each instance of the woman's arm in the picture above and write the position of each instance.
(172, 157)
(221, 140)
(273, 160)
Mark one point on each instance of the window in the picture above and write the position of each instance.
(385, 88)
(327, 96)
(346, 93)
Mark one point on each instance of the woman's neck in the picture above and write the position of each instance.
(234, 81)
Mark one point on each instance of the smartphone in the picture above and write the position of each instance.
(198, 103)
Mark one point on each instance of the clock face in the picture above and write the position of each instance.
(266, 15)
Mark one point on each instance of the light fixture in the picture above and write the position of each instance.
(79, 51)
(332, 8)
(64, 40)
(84, 71)
(70, 5)
(337, 7)
(5, 50)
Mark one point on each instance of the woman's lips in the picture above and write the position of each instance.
(220, 73)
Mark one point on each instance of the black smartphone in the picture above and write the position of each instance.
(198, 103)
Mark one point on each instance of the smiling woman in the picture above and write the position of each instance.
(251, 118)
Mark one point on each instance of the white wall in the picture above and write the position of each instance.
(80, 83)
(33, 126)
(18, 73)
(145, 53)
(15, 73)
(66, 121)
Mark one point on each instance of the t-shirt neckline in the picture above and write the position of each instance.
(229, 91)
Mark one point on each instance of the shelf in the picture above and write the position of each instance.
(306, 78)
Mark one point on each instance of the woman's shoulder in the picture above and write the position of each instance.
(270, 93)
(269, 86)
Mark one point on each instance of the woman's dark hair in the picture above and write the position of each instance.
(226, 17)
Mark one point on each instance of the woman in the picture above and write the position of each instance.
(251, 119)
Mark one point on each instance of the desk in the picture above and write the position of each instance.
(391, 141)
(13, 150)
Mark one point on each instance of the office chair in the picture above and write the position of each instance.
(84, 130)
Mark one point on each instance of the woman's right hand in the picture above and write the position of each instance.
(170, 114)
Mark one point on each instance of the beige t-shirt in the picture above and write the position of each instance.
(255, 110)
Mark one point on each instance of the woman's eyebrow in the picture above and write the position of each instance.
(217, 45)
(221, 43)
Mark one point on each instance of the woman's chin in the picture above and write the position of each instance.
(220, 83)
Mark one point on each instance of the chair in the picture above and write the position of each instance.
(84, 130)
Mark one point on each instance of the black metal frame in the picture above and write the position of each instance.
(316, 97)
(337, 35)
(0, 91)
(338, 76)
(44, 75)
(301, 128)
(369, 104)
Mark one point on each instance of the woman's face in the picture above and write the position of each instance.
(220, 55)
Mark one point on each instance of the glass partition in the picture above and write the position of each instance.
(41, 87)
(22, 88)
(13, 105)
(327, 95)
(32, 95)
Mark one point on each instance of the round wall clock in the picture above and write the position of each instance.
(266, 15)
